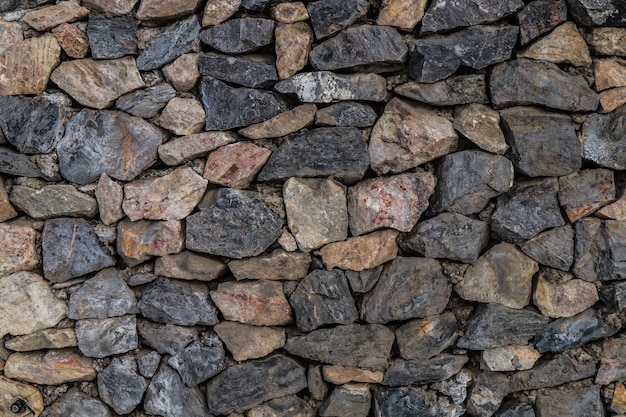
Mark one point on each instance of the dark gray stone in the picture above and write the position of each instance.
(316, 384)
(109, 142)
(582, 193)
(250, 71)
(340, 152)
(592, 255)
(105, 295)
(495, 325)
(57, 200)
(515, 409)
(228, 107)
(423, 339)
(238, 36)
(199, 361)
(350, 400)
(403, 372)
(363, 281)
(528, 82)
(331, 16)
(176, 40)
(604, 139)
(570, 402)
(529, 208)
(345, 114)
(121, 387)
(31, 125)
(71, 249)
(141, 279)
(166, 338)
(399, 296)
(444, 15)
(99, 338)
(265, 379)
(407, 402)
(436, 57)
(541, 144)
(361, 345)
(553, 248)
(148, 102)
(614, 295)
(559, 370)
(149, 363)
(569, 332)
(172, 301)
(287, 406)
(112, 36)
(488, 391)
(323, 297)
(539, 17)
(598, 13)
(448, 235)
(255, 5)
(10, 5)
(14, 163)
(77, 404)
(235, 224)
(460, 89)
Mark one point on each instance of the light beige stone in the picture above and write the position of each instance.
(180, 150)
(612, 98)
(361, 252)
(109, 195)
(13, 391)
(53, 367)
(558, 294)
(183, 73)
(43, 339)
(282, 124)
(235, 165)
(509, 358)
(403, 14)
(290, 12)
(609, 73)
(74, 41)
(293, 44)
(160, 10)
(277, 265)
(48, 17)
(19, 249)
(287, 241)
(10, 34)
(339, 375)
(606, 40)
(6, 209)
(189, 265)
(249, 342)
(183, 116)
(563, 45)
(217, 11)
(481, 125)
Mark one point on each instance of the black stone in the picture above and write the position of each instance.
(407, 402)
(460, 89)
(250, 71)
(403, 372)
(140, 279)
(604, 139)
(592, 255)
(598, 13)
(105, 295)
(121, 387)
(10, 5)
(99, 338)
(166, 338)
(199, 361)
(346, 114)
(148, 102)
(444, 15)
(331, 16)
(149, 363)
(559, 370)
(423, 339)
(363, 281)
(235, 224)
(340, 152)
(14, 163)
(239, 36)
(488, 391)
(553, 248)
(539, 17)
(112, 36)
(177, 39)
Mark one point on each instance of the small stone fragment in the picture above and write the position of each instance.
(159, 10)
(6, 209)
(53, 201)
(13, 391)
(618, 404)
(441, 367)
(563, 45)
(199, 362)
(166, 338)
(488, 391)
(612, 365)
(245, 342)
(293, 44)
(19, 251)
(53, 367)
(190, 266)
(112, 36)
(602, 138)
(48, 17)
(553, 248)
(442, 15)
(105, 295)
(14, 163)
(331, 16)
(350, 400)
(76, 404)
(460, 89)
(570, 402)
(276, 265)
(99, 338)
(287, 406)
(287, 241)
(339, 375)
(121, 387)
(582, 193)
(147, 102)
(509, 358)
(238, 36)
(559, 370)
(183, 116)
(361, 252)
(139, 241)
(183, 73)
(109, 196)
(612, 99)
(345, 114)
(148, 364)
(43, 339)
(250, 71)
(291, 12)
(425, 338)
(180, 150)
(481, 125)
(217, 11)
(177, 39)
(539, 17)
(609, 73)
(403, 14)
(235, 165)
(282, 124)
(167, 395)
(606, 40)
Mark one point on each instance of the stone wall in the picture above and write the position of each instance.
(338, 208)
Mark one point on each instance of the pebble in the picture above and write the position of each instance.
(276, 265)
(235, 165)
(177, 39)
(293, 46)
(120, 387)
(139, 241)
(53, 367)
(183, 149)
(189, 266)
(147, 102)
(53, 201)
(459, 89)
(425, 338)
(361, 252)
(99, 338)
(19, 247)
(282, 124)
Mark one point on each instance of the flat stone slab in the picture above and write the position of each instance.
(177, 39)
(428, 337)
(235, 165)
(561, 369)
(54, 367)
(328, 87)
(276, 265)
(147, 102)
(442, 15)
(346, 113)
(402, 372)
(252, 71)
(539, 17)
(361, 252)
(460, 89)
(190, 266)
(238, 36)
(53, 201)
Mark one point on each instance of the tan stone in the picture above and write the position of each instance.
(26, 66)
(159, 10)
(115, 7)
(139, 241)
(293, 44)
(43, 339)
(74, 41)
(481, 125)
(276, 265)
(287, 241)
(19, 250)
(291, 12)
(183, 73)
(613, 361)
(13, 391)
(10, 34)
(183, 116)
(249, 342)
(616, 210)
(609, 72)
(555, 298)
(403, 14)
(53, 367)
(235, 165)
(48, 17)
(339, 375)
(612, 99)
(282, 124)
(563, 45)
(186, 148)
(509, 358)
(606, 40)
(361, 252)
(217, 11)
(189, 265)
(618, 403)
(6, 209)
(109, 195)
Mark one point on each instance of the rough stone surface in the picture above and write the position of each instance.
(186, 148)
(166, 338)
(7, 211)
(50, 368)
(602, 13)
(609, 73)
(235, 165)
(182, 116)
(553, 248)
(602, 137)
(199, 362)
(19, 243)
(291, 12)
(168, 396)
(564, 45)
(276, 265)
(339, 375)
(612, 365)
(189, 265)
(112, 36)
(460, 89)
(152, 10)
(591, 252)
(364, 280)
(561, 369)
(441, 367)
(109, 196)
(442, 15)
(76, 403)
(148, 364)
(51, 16)
(293, 45)
(605, 40)
(404, 401)
(481, 125)
(43, 339)
(361, 252)
(53, 201)
(147, 102)
(105, 295)
(618, 404)
(139, 241)
(584, 192)
(509, 358)
(570, 402)
(14, 391)
(346, 113)
(282, 124)
(99, 338)
(249, 342)
(121, 387)
(183, 72)
(176, 40)
(239, 35)
(13, 163)
(331, 16)
(252, 71)
(539, 17)
(488, 391)
(350, 400)
(403, 14)
(217, 11)
(425, 338)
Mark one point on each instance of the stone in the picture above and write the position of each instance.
(260, 303)
(217, 11)
(529, 208)
(50, 16)
(363, 281)
(612, 99)
(331, 16)
(605, 40)
(350, 400)
(398, 296)
(282, 124)
(255, 5)
(287, 406)
(614, 295)
(602, 139)
(183, 116)
(105, 295)
(112, 36)
(361, 252)
(13, 391)
(339, 375)
(614, 211)
(467, 180)
(158, 11)
(109, 196)
(276, 265)
(582, 193)
(291, 12)
(235, 165)
(268, 378)
(564, 45)
(316, 384)
(14, 163)
(436, 57)
(114, 7)
(495, 325)
(7, 211)
(426, 338)
(359, 345)
(53, 367)
(459, 89)
(544, 84)
(148, 364)
(609, 73)
(190, 266)
(618, 403)
(245, 342)
(509, 358)
(183, 72)
(186, 148)
(53, 201)
(481, 125)
(553, 248)
(442, 16)
(405, 401)
(345, 114)
(76, 403)
(570, 402)
(539, 17)
(171, 301)
(99, 338)
(30, 125)
(166, 338)
(147, 102)
(502, 275)
(235, 224)
(395, 202)
(10, 33)
(177, 39)
(19, 248)
(71, 249)
(139, 241)
(229, 107)
(121, 387)
(250, 71)
(591, 252)
(43, 339)
(559, 370)
(515, 409)
(340, 152)
(168, 396)
(612, 366)
(287, 241)
(488, 391)
(403, 14)
(602, 13)
(239, 36)
(198, 362)
(26, 65)
(456, 387)
(293, 45)
(441, 367)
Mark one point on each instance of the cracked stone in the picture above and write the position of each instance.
(198, 362)
(293, 45)
(109, 196)
(602, 138)
(584, 192)
(167, 395)
(238, 36)
(442, 15)
(460, 89)
(564, 45)
(539, 17)
(99, 338)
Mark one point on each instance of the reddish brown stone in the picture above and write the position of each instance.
(361, 252)
(6, 209)
(109, 196)
(159, 10)
(276, 265)
(74, 41)
(19, 251)
(183, 73)
(558, 295)
(613, 98)
(293, 44)
(48, 17)
(615, 211)
(10, 34)
(139, 241)
(54, 367)
(291, 12)
(582, 193)
(282, 124)
(235, 165)
(189, 265)
(217, 11)
(183, 116)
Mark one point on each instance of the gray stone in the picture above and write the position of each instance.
(239, 36)
(613, 363)
(349, 400)
(141, 279)
(407, 402)
(553, 248)
(570, 402)
(559, 370)
(592, 255)
(448, 235)
(423, 339)
(420, 372)
(148, 102)
(168, 396)
(488, 391)
(177, 39)
(361, 345)
(584, 192)
(529, 208)
(598, 13)
(436, 57)
(340, 152)
(228, 107)
(399, 296)
(112, 36)
(174, 302)
(14, 163)
(32, 126)
(149, 363)
(77, 404)
(287, 406)
(105, 295)
(539, 17)
(443, 15)
(541, 143)
(345, 114)
(166, 338)
(99, 338)
(515, 409)
(199, 361)
(252, 71)
(71, 249)
(460, 89)
(245, 341)
(11, 5)
(363, 281)
(254, 5)
(496, 325)
(614, 295)
(266, 379)
(53, 201)
(331, 16)
(235, 224)
(603, 137)
(121, 387)
(316, 384)
(529, 82)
